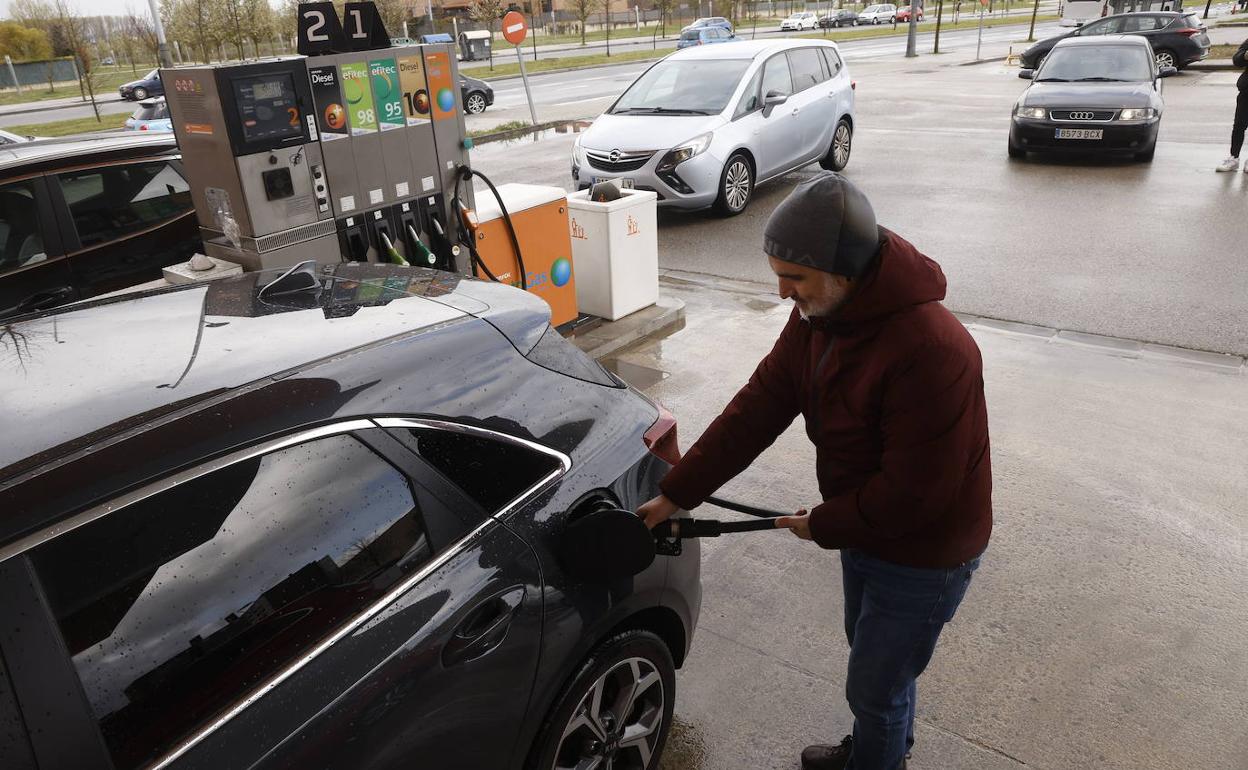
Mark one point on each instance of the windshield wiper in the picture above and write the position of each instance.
(658, 111)
(1101, 80)
(1052, 80)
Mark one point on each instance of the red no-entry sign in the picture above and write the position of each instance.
(514, 27)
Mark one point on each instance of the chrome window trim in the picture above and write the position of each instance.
(565, 462)
(33, 541)
(19, 547)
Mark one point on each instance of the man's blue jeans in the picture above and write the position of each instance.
(893, 616)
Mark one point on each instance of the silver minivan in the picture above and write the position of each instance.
(703, 126)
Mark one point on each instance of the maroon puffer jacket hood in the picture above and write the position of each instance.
(891, 389)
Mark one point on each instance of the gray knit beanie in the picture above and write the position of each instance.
(825, 223)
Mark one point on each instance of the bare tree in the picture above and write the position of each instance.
(581, 9)
(74, 29)
(664, 7)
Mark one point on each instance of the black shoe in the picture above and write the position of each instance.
(824, 757)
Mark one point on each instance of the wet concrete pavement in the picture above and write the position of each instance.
(1105, 628)
(1150, 252)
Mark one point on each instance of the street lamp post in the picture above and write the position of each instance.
(162, 47)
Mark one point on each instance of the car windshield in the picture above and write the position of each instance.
(1078, 64)
(873, 8)
(683, 87)
(151, 75)
(149, 113)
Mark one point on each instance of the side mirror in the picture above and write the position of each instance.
(772, 100)
(1026, 74)
(1166, 72)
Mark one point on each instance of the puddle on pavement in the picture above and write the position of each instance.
(512, 139)
(761, 305)
(685, 748)
(640, 377)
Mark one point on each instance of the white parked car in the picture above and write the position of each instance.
(705, 125)
(799, 21)
(885, 13)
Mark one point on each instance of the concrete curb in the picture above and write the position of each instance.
(86, 103)
(1213, 65)
(601, 340)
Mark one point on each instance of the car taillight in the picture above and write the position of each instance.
(1188, 32)
(661, 439)
(853, 85)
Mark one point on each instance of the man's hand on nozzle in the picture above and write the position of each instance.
(657, 511)
(799, 523)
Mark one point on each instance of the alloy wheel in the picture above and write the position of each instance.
(616, 724)
(841, 145)
(737, 184)
(1165, 59)
(476, 104)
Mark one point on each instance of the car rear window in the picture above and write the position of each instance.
(690, 35)
(1189, 21)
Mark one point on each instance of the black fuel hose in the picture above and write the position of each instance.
(464, 173)
(762, 513)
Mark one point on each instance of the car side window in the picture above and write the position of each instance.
(1102, 27)
(1141, 24)
(750, 99)
(176, 607)
(492, 472)
(115, 201)
(807, 71)
(776, 76)
(21, 244)
(833, 61)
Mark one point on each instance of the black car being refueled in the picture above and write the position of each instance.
(1099, 95)
(258, 526)
(1178, 38)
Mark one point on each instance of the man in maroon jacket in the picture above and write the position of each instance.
(890, 385)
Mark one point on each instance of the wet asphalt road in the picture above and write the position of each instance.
(1151, 252)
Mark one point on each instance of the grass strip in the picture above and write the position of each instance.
(86, 125)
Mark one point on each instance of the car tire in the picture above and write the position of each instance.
(837, 157)
(139, 94)
(1147, 155)
(1016, 152)
(1166, 58)
(632, 657)
(475, 103)
(736, 186)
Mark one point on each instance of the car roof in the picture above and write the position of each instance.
(1101, 40)
(64, 151)
(99, 368)
(746, 49)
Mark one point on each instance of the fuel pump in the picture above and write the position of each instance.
(251, 150)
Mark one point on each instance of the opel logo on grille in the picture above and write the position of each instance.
(1082, 115)
(614, 157)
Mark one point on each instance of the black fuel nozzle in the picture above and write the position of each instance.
(668, 534)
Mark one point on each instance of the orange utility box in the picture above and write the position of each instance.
(540, 217)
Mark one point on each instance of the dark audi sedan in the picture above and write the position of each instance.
(138, 90)
(1096, 96)
(321, 529)
(1178, 38)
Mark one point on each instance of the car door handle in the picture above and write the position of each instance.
(484, 628)
(796, 110)
(45, 299)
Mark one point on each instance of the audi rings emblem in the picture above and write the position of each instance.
(615, 154)
(1082, 115)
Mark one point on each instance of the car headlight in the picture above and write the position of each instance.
(691, 148)
(578, 152)
(1137, 114)
(1037, 113)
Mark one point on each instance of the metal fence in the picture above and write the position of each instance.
(31, 73)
